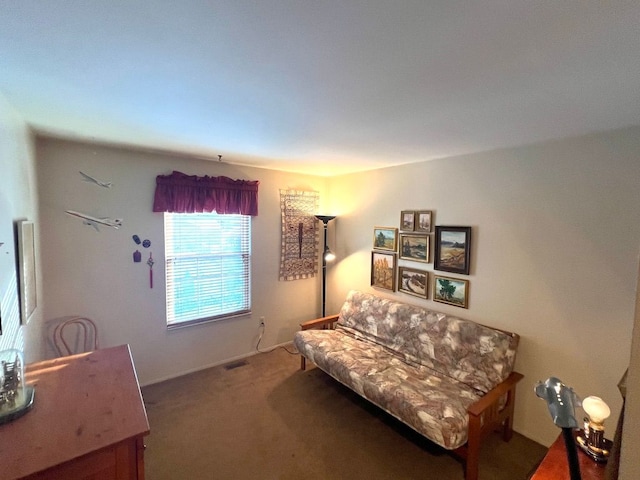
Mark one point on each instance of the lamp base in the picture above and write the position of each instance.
(600, 456)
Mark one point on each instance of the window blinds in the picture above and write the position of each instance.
(208, 266)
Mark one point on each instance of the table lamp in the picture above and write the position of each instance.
(561, 401)
(592, 442)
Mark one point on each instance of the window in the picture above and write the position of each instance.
(208, 267)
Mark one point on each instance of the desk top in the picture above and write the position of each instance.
(555, 465)
(82, 403)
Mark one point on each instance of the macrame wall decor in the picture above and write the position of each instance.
(299, 253)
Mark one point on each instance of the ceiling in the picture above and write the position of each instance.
(326, 86)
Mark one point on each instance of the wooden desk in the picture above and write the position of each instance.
(555, 466)
(88, 421)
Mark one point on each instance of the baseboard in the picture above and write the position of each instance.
(216, 364)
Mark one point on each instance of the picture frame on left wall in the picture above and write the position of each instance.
(26, 269)
(383, 270)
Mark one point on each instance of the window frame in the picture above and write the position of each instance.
(242, 255)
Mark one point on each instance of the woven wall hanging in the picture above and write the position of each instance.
(299, 254)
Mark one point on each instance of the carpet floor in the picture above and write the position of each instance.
(263, 418)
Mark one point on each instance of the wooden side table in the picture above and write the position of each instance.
(88, 421)
(555, 466)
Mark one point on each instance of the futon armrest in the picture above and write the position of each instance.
(493, 410)
(319, 322)
(494, 395)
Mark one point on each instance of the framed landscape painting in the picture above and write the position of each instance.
(414, 247)
(453, 291)
(453, 249)
(407, 220)
(385, 238)
(413, 282)
(383, 270)
(423, 221)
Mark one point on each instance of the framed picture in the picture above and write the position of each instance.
(383, 270)
(413, 282)
(453, 249)
(452, 291)
(407, 220)
(385, 238)
(26, 269)
(414, 247)
(423, 221)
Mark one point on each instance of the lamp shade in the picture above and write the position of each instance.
(325, 218)
(561, 401)
(596, 408)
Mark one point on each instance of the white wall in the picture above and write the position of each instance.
(92, 273)
(554, 252)
(18, 201)
(554, 256)
(629, 460)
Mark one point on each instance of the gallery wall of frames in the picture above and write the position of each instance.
(411, 245)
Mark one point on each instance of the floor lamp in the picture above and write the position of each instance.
(327, 256)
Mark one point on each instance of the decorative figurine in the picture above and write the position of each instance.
(11, 380)
(96, 221)
(150, 262)
(90, 179)
(15, 398)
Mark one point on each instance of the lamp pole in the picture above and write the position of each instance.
(326, 255)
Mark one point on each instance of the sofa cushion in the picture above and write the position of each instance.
(429, 402)
(479, 356)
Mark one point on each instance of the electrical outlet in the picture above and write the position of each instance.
(262, 322)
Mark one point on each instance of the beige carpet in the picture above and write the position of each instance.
(263, 418)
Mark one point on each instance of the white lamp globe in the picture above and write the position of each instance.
(596, 408)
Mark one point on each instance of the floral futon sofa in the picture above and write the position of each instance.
(450, 379)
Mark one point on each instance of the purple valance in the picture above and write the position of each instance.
(180, 193)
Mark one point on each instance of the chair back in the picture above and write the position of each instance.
(83, 338)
